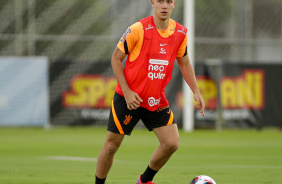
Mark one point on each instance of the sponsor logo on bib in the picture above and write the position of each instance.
(157, 69)
(152, 101)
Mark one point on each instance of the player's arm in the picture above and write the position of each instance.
(190, 78)
(132, 99)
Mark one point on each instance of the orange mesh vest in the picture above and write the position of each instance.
(149, 74)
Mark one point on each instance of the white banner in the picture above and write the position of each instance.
(24, 91)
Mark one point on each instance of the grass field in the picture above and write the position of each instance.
(68, 156)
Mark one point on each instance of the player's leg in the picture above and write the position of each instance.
(169, 141)
(106, 155)
(163, 124)
(121, 122)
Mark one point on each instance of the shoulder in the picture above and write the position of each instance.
(181, 29)
(132, 32)
(177, 27)
(136, 31)
(172, 22)
(176, 23)
(136, 27)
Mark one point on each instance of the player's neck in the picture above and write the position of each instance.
(161, 24)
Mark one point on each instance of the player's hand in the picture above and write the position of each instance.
(200, 103)
(132, 99)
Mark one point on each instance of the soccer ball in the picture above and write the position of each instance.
(202, 179)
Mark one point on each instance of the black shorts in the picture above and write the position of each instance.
(122, 120)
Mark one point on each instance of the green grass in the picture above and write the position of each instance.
(229, 156)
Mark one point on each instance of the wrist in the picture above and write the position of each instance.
(197, 92)
(126, 90)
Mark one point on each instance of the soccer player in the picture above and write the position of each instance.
(151, 46)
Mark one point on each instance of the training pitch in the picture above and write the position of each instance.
(69, 155)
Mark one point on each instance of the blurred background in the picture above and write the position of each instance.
(55, 61)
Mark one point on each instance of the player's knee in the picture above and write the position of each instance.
(111, 148)
(171, 146)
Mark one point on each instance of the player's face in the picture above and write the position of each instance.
(163, 8)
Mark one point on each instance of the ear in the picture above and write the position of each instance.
(152, 2)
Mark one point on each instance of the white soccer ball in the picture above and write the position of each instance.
(202, 179)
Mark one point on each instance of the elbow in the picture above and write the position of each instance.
(117, 56)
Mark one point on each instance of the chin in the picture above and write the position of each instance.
(164, 17)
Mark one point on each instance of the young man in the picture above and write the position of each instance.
(152, 44)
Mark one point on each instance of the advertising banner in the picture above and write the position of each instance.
(80, 92)
(236, 95)
(24, 91)
(239, 94)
